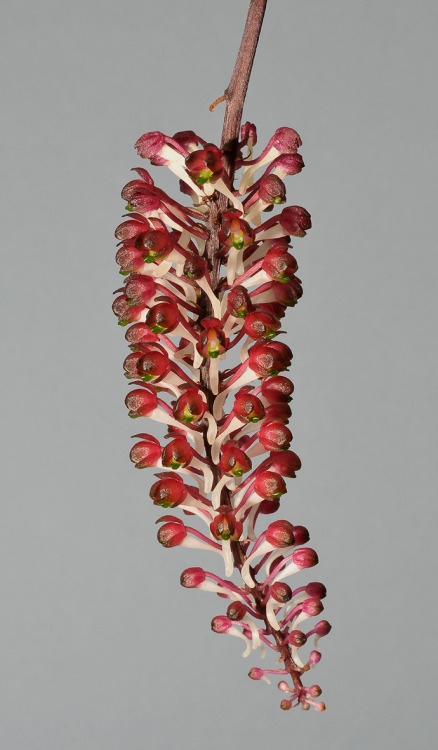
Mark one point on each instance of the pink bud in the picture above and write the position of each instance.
(312, 607)
(256, 673)
(221, 624)
(192, 577)
(314, 658)
(305, 557)
(314, 691)
(280, 534)
(322, 628)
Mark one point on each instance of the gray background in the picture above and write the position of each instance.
(101, 648)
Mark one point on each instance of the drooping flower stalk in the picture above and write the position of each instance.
(203, 281)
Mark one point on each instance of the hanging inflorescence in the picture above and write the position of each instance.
(184, 317)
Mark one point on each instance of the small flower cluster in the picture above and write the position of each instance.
(184, 317)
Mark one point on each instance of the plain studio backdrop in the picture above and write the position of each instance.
(101, 647)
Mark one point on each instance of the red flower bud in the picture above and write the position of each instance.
(247, 407)
(225, 526)
(322, 628)
(297, 638)
(272, 189)
(236, 611)
(278, 389)
(301, 535)
(235, 232)
(129, 230)
(168, 492)
(205, 165)
(191, 578)
(267, 507)
(172, 534)
(195, 267)
(153, 365)
(234, 461)
(138, 334)
(280, 534)
(287, 293)
(286, 140)
(312, 607)
(281, 592)
(139, 290)
(141, 402)
(269, 358)
(269, 485)
(130, 365)
(154, 244)
(177, 453)
(126, 313)
(163, 318)
(295, 220)
(150, 145)
(248, 131)
(129, 259)
(316, 589)
(188, 139)
(285, 464)
(279, 265)
(239, 302)
(146, 453)
(288, 164)
(190, 407)
(275, 436)
(261, 325)
(305, 557)
(278, 412)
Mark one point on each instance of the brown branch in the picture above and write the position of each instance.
(236, 91)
